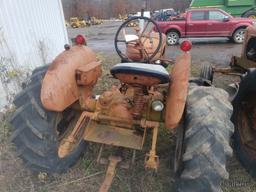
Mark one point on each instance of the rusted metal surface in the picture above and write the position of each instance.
(86, 79)
(112, 135)
(151, 159)
(59, 88)
(242, 61)
(101, 129)
(145, 47)
(137, 79)
(178, 91)
(113, 161)
(87, 75)
(139, 102)
(114, 104)
(223, 70)
(68, 144)
(100, 153)
(104, 161)
(144, 123)
(234, 71)
(250, 32)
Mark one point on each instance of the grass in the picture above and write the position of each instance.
(87, 175)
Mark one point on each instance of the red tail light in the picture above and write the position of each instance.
(80, 40)
(186, 46)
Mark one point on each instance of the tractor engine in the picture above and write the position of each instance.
(130, 103)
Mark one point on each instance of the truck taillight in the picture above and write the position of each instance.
(80, 40)
(186, 46)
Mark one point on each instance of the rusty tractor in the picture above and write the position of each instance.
(242, 97)
(58, 114)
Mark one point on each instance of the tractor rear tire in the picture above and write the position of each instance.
(208, 129)
(244, 119)
(37, 131)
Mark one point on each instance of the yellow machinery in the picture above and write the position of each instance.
(76, 23)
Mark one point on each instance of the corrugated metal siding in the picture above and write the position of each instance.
(32, 33)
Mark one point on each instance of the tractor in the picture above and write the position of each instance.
(58, 113)
(75, 22)
(95, 21)
(243, 101)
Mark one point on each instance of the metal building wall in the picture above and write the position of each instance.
(32, 33)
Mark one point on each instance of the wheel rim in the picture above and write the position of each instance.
(247, 122)
(239, 36)
(172, 38)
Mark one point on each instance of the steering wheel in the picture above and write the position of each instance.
(139, 39)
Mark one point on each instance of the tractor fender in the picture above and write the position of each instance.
(178, 91)
(59, 88)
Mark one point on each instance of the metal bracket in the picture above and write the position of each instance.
(67, 144)
(151, 159)
(113, 161)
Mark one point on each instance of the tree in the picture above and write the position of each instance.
(112, 8)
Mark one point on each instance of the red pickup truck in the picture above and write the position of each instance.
(210, 22)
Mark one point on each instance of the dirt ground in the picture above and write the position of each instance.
(86, 175)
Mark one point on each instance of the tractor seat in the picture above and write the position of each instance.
(140, 73)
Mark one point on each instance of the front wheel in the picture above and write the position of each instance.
(172, 38)
(206, 146)
(239, 36)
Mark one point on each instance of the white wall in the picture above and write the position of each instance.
(32, 33)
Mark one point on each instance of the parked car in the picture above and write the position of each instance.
(207, 22)
(164, 14)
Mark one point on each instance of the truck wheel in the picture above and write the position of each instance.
(37, 131)
(250, 14)
(208, 129)
(244, 119)
(172, 38)
(239, 35)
